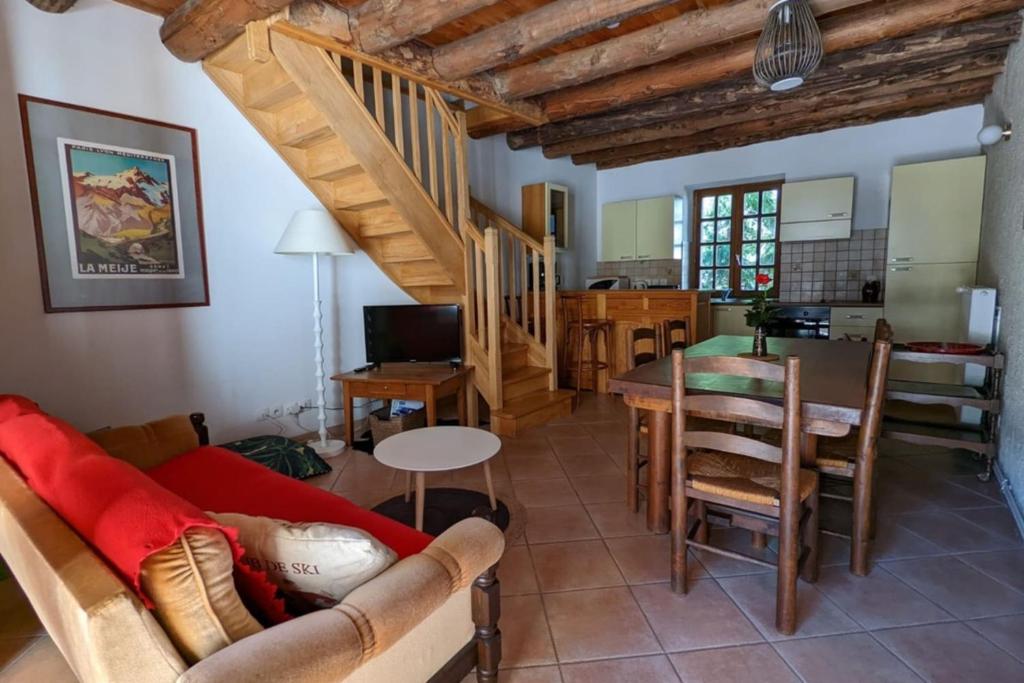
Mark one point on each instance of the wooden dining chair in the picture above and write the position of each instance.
(644, 347)
(675, 334)
(742, 481)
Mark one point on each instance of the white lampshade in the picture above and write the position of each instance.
(314, 231)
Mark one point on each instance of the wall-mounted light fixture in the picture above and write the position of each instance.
(994, 134)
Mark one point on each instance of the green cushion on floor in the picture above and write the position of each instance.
(282, 455)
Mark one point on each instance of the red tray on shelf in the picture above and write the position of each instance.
(949, 348)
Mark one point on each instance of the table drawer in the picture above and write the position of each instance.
(380, 389)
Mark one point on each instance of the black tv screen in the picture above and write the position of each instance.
(412, 333)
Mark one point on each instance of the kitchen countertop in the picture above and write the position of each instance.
(831, 304)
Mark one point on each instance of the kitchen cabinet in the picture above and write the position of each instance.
(546, 211)
(817, 210)
(848, 322)
(729, 319)
(639, 230)
(935, 215)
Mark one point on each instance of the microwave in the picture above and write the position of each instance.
(613, 282)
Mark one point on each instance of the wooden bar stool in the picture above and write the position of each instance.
(580, 330)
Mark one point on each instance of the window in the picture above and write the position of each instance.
(678, 230)
(736, 237)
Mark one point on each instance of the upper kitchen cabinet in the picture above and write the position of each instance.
(817, 210)
(640, 229)
(935, 214)
(546, 212)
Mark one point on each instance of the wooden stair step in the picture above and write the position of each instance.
(355, 190)
(268, 87)
(434, 294)
(513, 356)
(419, 273)
(523, 381)
(403, 247)
(330, 160)
(534, 409)
(381, 220)
(301, 125)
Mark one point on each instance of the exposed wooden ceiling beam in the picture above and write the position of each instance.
(910, 103)
(688, 31)
(385, 23)
(531, 32)
(328, 25)
(200, 27)
(880, 85)
(55, 6)
(850, 30)
(161, 7)
(897, 54)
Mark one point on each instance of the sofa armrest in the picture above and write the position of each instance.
(331, 644)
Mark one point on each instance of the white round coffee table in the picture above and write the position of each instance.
(438, 449)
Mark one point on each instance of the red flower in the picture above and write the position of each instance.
(763, 279)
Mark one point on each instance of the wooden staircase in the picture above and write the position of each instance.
(385, 153)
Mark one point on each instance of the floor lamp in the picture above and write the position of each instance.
(314, 231)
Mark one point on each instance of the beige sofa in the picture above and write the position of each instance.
(430, 617)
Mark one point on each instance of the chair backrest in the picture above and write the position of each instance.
(675, 335)
(878, 375)
(883, 330)
(644, 346)
(739, 409)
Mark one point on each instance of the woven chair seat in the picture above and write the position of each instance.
(742, 478)
(833, 454)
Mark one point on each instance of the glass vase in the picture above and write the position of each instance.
(760, 341)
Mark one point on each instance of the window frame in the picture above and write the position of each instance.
(736, 233)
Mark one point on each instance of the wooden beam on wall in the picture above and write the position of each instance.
(910, 103)
(909, 53)
(160, 7)
(847, 31)
(381, 24)
(688, 31)
(199, 27)
(533, 31)
(871, 87)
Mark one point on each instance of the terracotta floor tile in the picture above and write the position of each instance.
(656, 669)
(542, 493)
(704, 617)
(852, 658)
(12, 648)
(957, 587)
(737, 540)
(1006, 566)
(571, 566)
(646, 559)
(41, 662)
(598, 624)
(758, 663)
(603, 489)
(950, 532)
(996, 520)
(878, 600)
(833, 551)
(816, 615)
(572, 446)
(540, 674)
(525, 638)
(951, 653)
(555, 429)
(19, 620)
(989, 489)
(615, 447)
(522, 467)
(614, 520)
(516, 573)
(944, 494)
(565, 523)
(589, 465)
(896, 543)
(1005, 632)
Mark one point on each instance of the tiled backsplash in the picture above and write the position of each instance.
(670, 270)
(832, 270)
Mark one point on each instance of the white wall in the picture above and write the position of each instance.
(1002, 253)
(497, 175)
(252, 347)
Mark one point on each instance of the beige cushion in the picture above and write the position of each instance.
(192, 586)
(315, 564)
(151, 444)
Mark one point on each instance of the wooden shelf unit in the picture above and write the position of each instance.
(546, 211)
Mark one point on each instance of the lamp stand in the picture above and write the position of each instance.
(324, 447)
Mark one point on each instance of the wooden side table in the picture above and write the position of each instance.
(412, 381)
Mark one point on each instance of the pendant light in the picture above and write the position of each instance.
(789, 49)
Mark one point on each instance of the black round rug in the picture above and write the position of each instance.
(443, 508)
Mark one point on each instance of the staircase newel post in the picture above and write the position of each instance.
(462, 174)
(551, 324)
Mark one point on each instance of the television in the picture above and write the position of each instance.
(413, 333)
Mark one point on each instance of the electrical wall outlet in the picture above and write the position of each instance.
(293, 408)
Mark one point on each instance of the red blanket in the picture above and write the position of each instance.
(116, 508)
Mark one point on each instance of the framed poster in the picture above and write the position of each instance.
(117, 208)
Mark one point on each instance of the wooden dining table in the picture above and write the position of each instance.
(833, 392)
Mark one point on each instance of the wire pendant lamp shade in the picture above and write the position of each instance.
(789, 49)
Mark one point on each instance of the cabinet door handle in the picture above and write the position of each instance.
(625, 258)
(902, 259)
(902, 269)
(854, 317)
(644, 256)
(838, 214)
